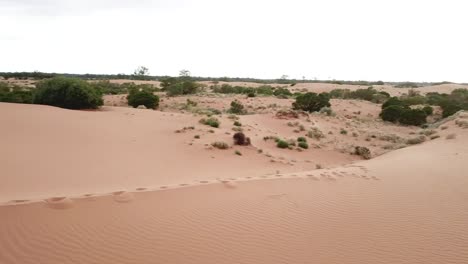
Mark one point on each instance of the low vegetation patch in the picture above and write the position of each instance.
(220, 145)
(363, 152)
(211, 121)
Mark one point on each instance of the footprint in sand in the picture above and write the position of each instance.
(163, 187)
(18, 201)
(122, 196)
(203, 181)
(59, 202)
(184, 184)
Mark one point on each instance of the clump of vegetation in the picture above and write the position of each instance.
(15, 94)
(303, 144)
(282, 144)
(394, 110)
(301, 139)
(315, 133)
(461, 123)
(237, 123)
(184, 84)
(428, 110)
(68, 93)
(220, 145)
(416, 140)
(363, 152)
(326, 110)
(311, 102)
(148, 99)
(241, 139)
(196, 136)
(212, 121)
(369, 94)
(236, 108)
(238, 153)
(343, 131)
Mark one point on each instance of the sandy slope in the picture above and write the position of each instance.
(120, 186)
(408, 206)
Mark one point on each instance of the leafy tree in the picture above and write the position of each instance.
(311, 102)
(68, 93)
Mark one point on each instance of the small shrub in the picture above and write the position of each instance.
(282, 144)
(196, 136)
(238, 153)
(241, 139)
(343, 131)
(148, 99)
(220, 145)
(301, 139)
(413, 117)
(236, 107)
(237, 123)
(315, 133)
(251, 94)
(212, 121)
(363, 152)
(393, 101)
(303, 144)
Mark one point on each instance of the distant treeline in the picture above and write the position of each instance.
(43, 75)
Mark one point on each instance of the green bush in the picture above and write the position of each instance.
(68, 93)
(236, 108)
(16, 96)
(251, 94)
(282, 144)
(301, 139)
(393, 101)
(282, 92)
(237, 123)
(429, 110)
(303, 145)
(392, 113)
(311, 102)
(148, 99)
(413, 117)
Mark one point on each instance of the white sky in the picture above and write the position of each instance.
(390, 40)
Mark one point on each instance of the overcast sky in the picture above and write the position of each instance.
(394, 40)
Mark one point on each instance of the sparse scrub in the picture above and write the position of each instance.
(220, 145)
(238, 153)
(212, 121)
(416, 140)
(237, 108)
(315, 133)
(237, 123)
(363, 152)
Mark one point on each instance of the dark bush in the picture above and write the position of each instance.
(16, 96)
(303, 144)
(363, 152)
(251, 94)
(413, 117)
(311, 102)
(68, 93)
(282, 92)
(282, 144)
(392, 113)
(428, 109)
(241, 139)
(212, 121)
(148, 99)
(301, 139)
(393, 101)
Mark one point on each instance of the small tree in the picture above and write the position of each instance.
(68, 93)
(148, 99)
(311, 102)
(141, 73)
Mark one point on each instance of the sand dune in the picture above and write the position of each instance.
(407, 206)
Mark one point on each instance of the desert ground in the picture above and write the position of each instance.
(126, 185)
